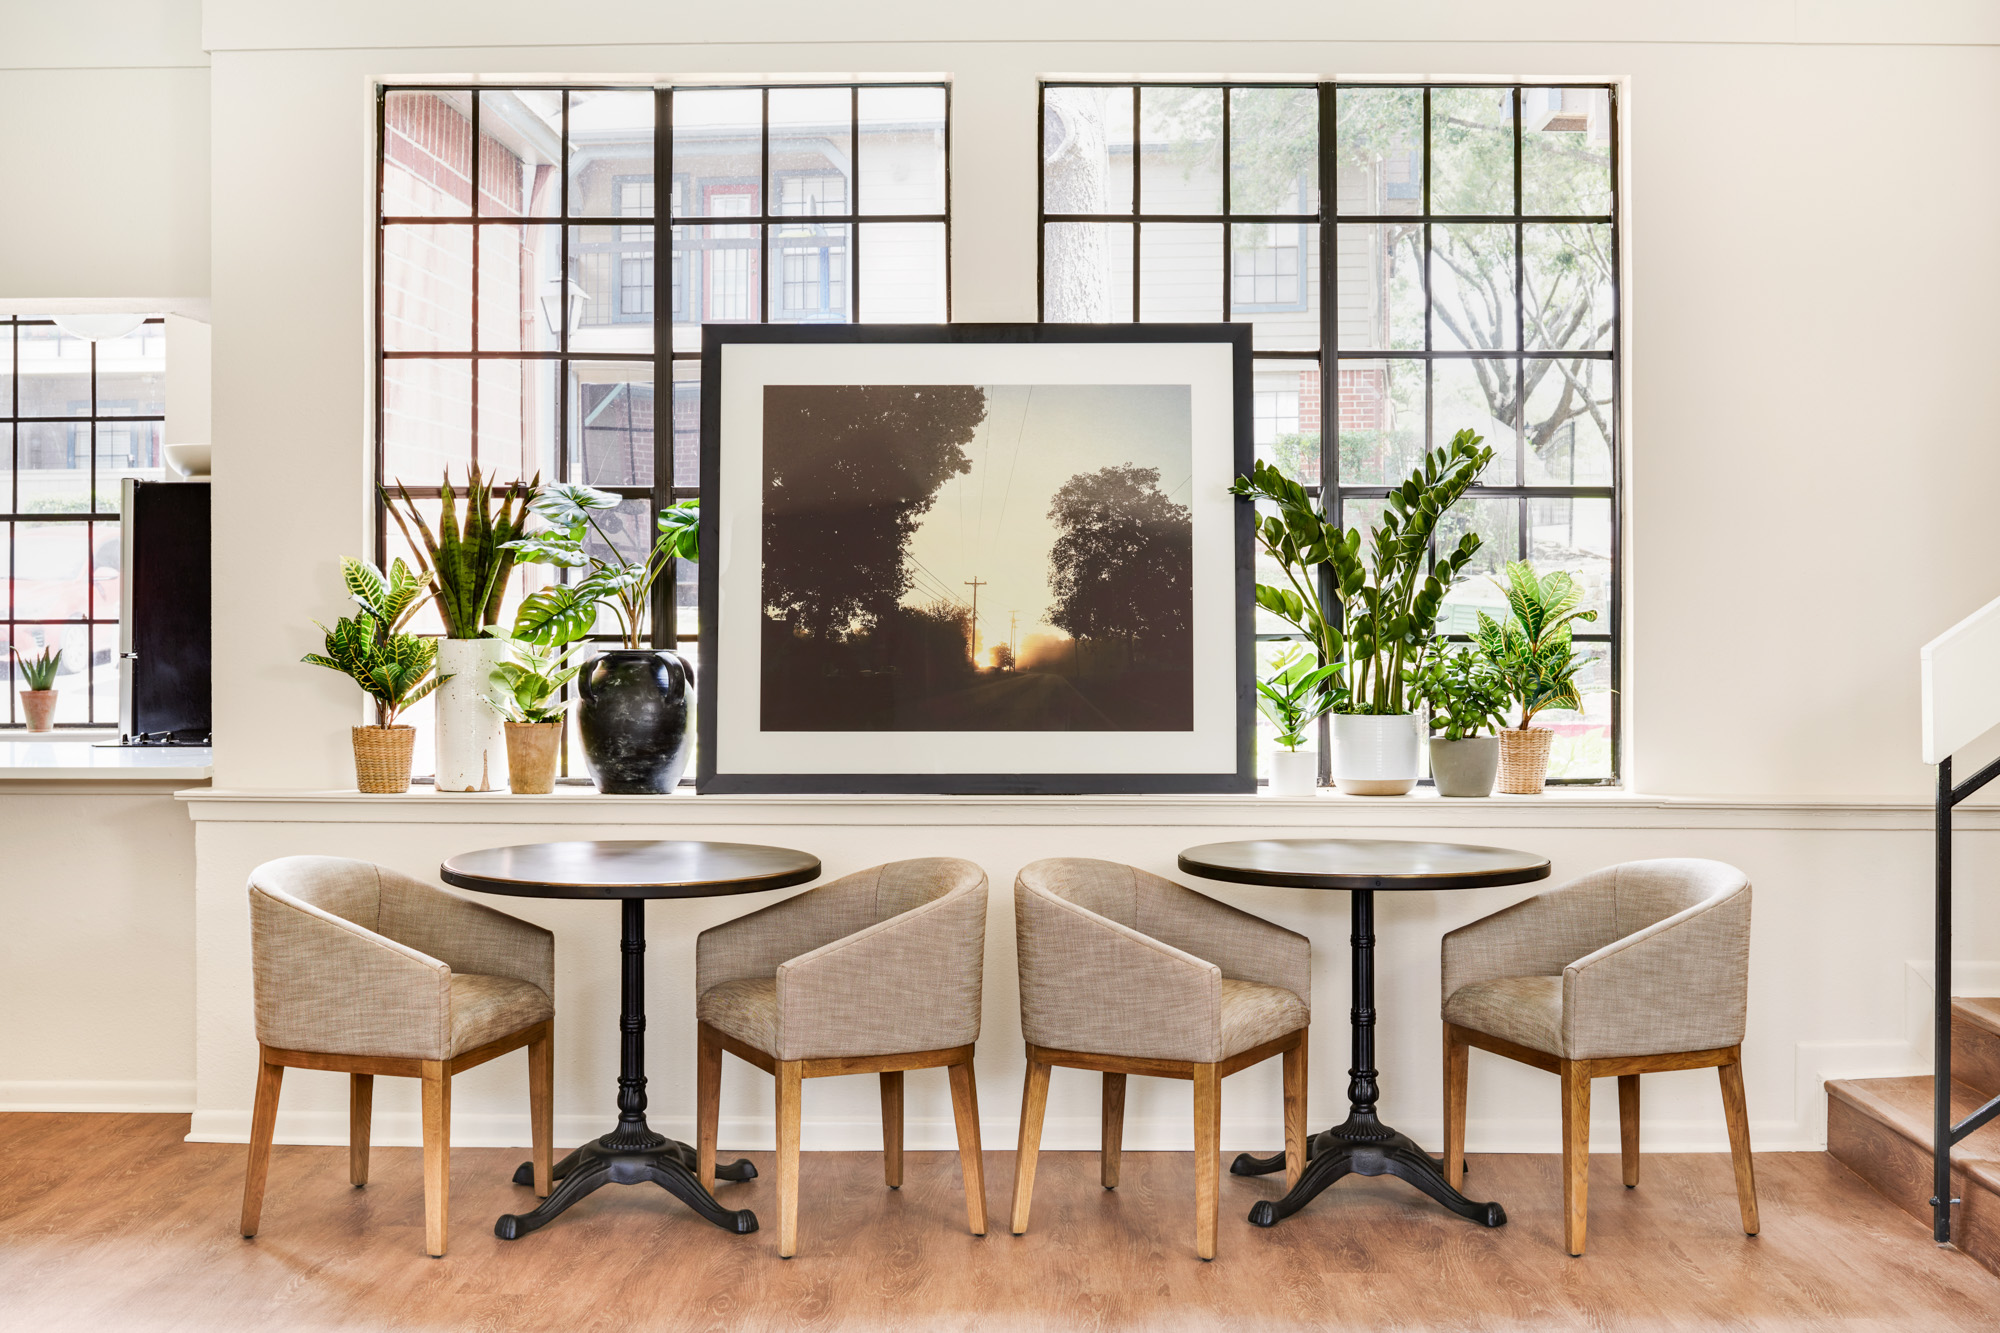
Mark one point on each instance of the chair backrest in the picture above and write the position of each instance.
(336, 885)
(1117, 892)
(903, 886)
(1636, 894)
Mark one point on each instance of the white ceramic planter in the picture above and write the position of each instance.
(1293, 772)
(471, 742)
(1376, 755)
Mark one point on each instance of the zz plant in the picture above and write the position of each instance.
(393, 668)
(1387, 599)
(1531, 650)
(564, 612)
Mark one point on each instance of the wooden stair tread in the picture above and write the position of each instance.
(1904, 1105)
(1981, 1010)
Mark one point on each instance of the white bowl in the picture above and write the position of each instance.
(190, 460)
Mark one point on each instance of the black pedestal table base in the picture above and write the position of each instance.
(1360, 1148)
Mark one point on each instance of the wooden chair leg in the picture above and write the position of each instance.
(541, 1105)
(892, 1127)
(707, 1102)
(1207, 1157)
(788, 1157)
(360, 1111)
(437, 1157)
(1628, 1127)
(1457, 1071)
(1576, 1153)
(263, 1122)
(1737, 1114)
(1296, 1133)
(971, 1162)
(1111, 1138)
(1034, 1101)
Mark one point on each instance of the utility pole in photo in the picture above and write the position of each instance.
(1014, 640)
(975, 583)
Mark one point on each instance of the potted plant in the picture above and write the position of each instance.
(1467, 699)
(393, 668)
(1531, 653)
(466, 565)
(633, 711)
(1293, 697)
(526, 694)
(1388, 603)
(38, 701)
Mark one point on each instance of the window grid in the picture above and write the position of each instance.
(29, 625)
(1408, 176)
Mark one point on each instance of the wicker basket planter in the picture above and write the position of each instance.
(382, 759)
(1524, 760)
(40, 706)
(532, 748)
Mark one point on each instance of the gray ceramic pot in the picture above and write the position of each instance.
(633, 720)
(1467, 767)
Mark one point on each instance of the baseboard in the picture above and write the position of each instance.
(133, 1095)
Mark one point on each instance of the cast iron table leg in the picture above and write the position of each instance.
(632, 1153)
(1361, 1145)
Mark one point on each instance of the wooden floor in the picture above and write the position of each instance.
(113, 1223)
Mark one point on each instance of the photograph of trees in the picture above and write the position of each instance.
(998, 557)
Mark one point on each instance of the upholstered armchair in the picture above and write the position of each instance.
(364, 971)
(1630, 970)
(1123, 972)
(877, 972)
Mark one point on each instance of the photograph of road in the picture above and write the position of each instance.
(999, 557)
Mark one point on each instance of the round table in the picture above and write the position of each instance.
(631, 872)
(1362, 1144)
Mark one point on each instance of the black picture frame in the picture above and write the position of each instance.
(718, 337)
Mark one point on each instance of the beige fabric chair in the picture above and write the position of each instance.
(878, 972)
(364, 971)
(1128, 973)
(1630, 970)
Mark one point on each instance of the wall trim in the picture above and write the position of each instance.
(120, 1095)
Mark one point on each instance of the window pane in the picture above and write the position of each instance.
(1274, 282)
(1472, 150)
(54, 460)
(1568, 422)
(1087, 272)
(426, 418)
(630, 527)
(687, 423)
(517, 418)
(1285, 418)
(1273, 150)
(716, 280)
(132, 373)
(687, 605)
(520, 143)
(426, 154)
(1180, 147)
(1480, 394)
(1498, 523)
(6, 370)
(106, 539)
(1569, 286)
(902, 150)
(1180, 272)
(903, 272)
(611, 154)
(1379, 153)
(55, 372)
(1381, 421)
(812, 152)
(1472, 287)
(1582, 747)
(127, 449)
(7, 504)
(1380, 286)
(1087, 150)
(611, 423)
(520, 287)
(611, 272)
(718, 153)
(1575, 535)
(427, 289)
(1565, 151)
(51, 582)
(809, 272)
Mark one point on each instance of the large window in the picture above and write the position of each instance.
(517, 318)
(1474, 283)
(76, 418)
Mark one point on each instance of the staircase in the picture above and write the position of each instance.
(1880, 1128)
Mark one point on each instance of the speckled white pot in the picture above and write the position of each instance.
(471, 742)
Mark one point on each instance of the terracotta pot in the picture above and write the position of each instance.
(40, 705)
(382, 759)
(1524, 760)
(532, 748)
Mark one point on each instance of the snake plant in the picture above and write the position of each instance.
(40, 670)
(1531, 649)
(565, 612)
(466, 563)
(393, 668)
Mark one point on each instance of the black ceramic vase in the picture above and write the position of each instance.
(633, 718)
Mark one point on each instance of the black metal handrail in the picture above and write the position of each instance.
(1945, 1134)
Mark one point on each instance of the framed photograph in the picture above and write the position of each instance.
(975, 558)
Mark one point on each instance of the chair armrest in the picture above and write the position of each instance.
(324, 984)
(911, 983)
(1091, 984)
(752, 946)
(1537, 937)
(1681, 984)
(1245, 947)
(468, 936)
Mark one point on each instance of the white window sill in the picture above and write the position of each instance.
(61, 758)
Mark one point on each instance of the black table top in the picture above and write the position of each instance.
(1362, 863)
(667, 869)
